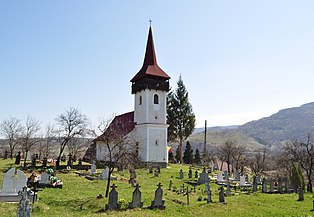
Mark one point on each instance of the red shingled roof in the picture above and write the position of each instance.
(150, 66)
(119, 127)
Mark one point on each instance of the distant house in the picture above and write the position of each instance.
(147, 123)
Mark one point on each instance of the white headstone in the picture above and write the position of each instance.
(14, 181)
(242, 180)
(93, 168)
(44, 178)
(105, 173)
(219, 177)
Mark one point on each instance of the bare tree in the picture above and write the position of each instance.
(121, 147)
(257, 162)
(47, 141)
(303, 153)
(10, 129)
(226, 151)
(28, 135)
(238, 156)
(77, 146)
(71, 124)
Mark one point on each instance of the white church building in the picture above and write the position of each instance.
(147, 123)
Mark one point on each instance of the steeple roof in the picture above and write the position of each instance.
(150, 66)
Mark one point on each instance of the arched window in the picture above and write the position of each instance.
(140, 100)
(156, 99)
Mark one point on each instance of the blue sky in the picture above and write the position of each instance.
(240, 60)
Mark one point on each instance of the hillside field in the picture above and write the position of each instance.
(78, 198)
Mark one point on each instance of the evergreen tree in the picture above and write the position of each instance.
(188, 154)
(197, 157)
(180, 116)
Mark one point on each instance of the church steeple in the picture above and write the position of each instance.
(150, 70)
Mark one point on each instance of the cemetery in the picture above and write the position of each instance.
(174, 192)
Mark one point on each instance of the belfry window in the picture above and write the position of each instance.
(156, 99)
(141, 100)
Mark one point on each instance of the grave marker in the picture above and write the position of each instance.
(158, 202)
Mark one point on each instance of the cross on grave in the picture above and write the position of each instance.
(181, 174)
(170, 184)
(190, 173)
(24, 208)
(136, 198)
(113, 199)
(158, 202)
(187, 193)
(222, 195)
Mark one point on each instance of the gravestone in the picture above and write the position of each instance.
(221, 195)
(190, 173)
(209, 194)
(196, 175)
(136, 198)
(237, 176)
(24, 208)
(18, 158)
(158, 202)
(181, 174)
(6, 153)
(203, 177)
(264, 185)
(228, 192)
(158, 169)
(280, 185)
(170, 184)
(242, 181)
(113, 199)
(219, 177)
(93, 169)
(14, 180)
(44, 179)
(69, 164)
(79, 164)
(226, 175)
(301, 194)
(156, 173)
(105, 174)
(44, 162)
(271, 185)
(254, 184)
(150, 169)
(207, 187)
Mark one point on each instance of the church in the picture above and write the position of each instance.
(147, 123)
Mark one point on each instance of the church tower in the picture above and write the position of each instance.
(150, 86)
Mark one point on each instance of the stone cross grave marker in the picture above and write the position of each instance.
(136, 198)
(181, 174)
(190, 173)
(113, 199)
(24, 208)
(203, 177)
(158, 202)
(221, 195)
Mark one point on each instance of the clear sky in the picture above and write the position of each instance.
(240, 60)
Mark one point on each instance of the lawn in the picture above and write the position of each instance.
(78, 197)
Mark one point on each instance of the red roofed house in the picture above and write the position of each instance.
(147, 123)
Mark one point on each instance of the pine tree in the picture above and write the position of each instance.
(197, 157)
(188, 154)
(180, 116)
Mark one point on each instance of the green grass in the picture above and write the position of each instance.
(78, 198)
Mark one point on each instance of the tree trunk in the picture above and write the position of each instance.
(25, 159)
(309, 186)
(180, 150)
(108, 183)
(11, 152)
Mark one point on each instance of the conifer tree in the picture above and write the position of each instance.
(188, 154)
(180, 116)
(197, 157)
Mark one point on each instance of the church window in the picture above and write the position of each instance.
(156, 99)
(140, 100)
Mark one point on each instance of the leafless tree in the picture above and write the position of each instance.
(257, 162)
(72, 124)
(10, 129)
(238, 156)
(303, 153)
(28, 135)
(226, 151)
(77, 146)
(121, 147)
(47, 141)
